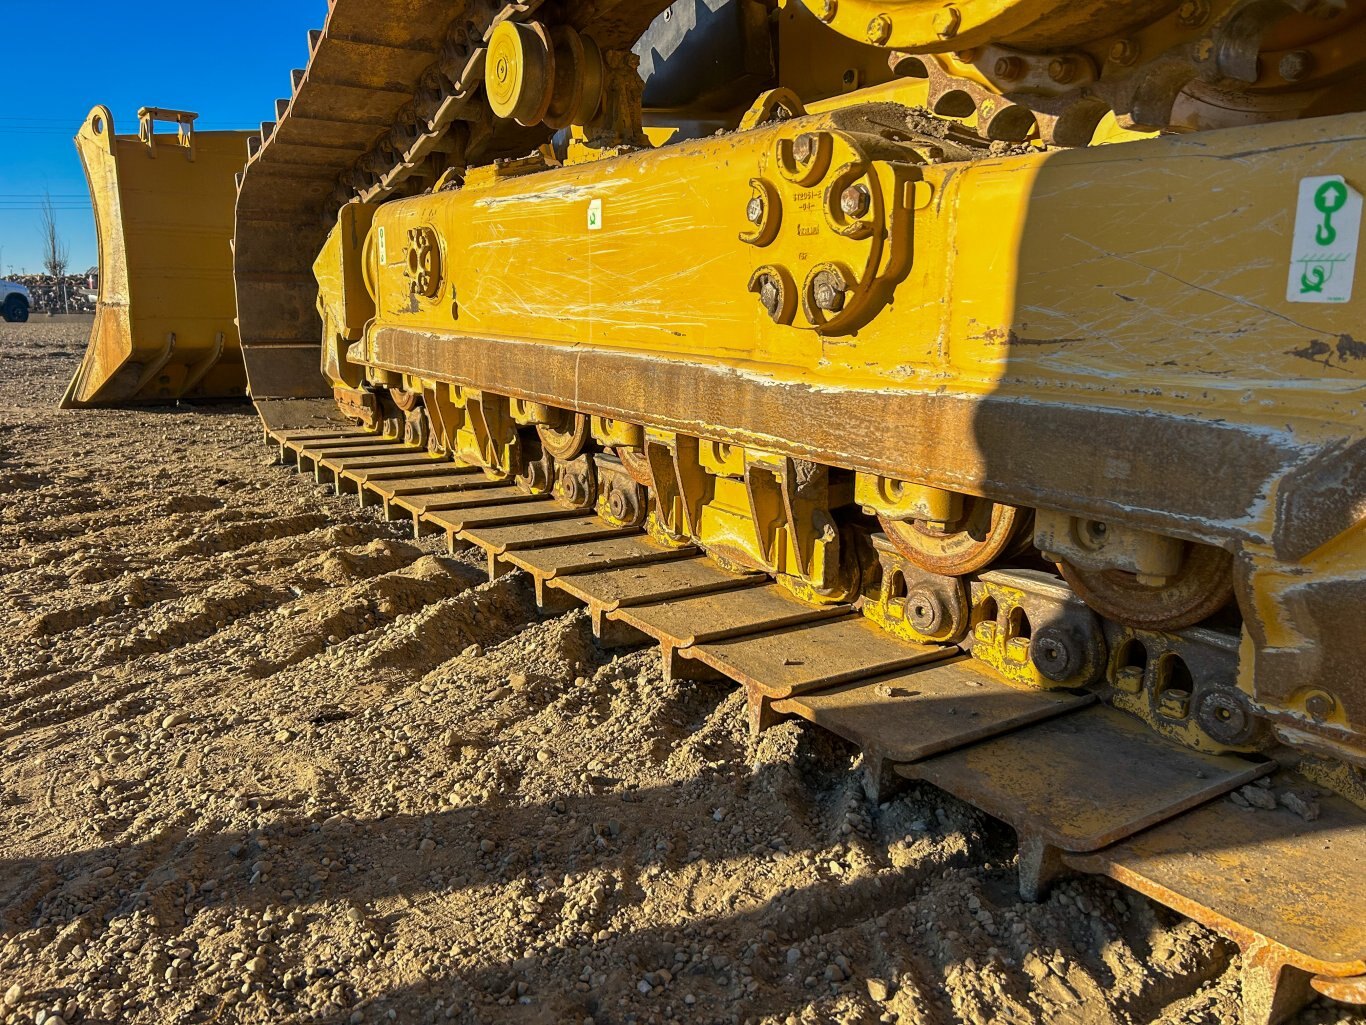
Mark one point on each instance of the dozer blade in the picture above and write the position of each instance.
(164, 325)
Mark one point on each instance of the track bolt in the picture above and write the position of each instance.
(1062, 69)
(1295, 65)
(1009, 69)
(825, 10)
(770, 296)
(804, 147)
(924, 611)
(880, 30)
(1193, 12)
(1129, 680)
(755, 210)
(855, 201)
(1056, 653)
(947, 22)
(1174, 703)
(1124, 52)
(1320, 704)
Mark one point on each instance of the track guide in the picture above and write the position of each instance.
(1087, 788)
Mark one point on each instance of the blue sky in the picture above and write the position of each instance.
(227, 61)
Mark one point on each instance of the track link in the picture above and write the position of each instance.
(1085, 787)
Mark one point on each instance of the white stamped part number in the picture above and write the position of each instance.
(595, 215)
(1323, 261)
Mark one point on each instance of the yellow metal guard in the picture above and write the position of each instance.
(164, 326)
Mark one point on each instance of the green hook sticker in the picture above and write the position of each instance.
(1327, 227)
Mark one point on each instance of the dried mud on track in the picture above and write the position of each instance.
(266, 759)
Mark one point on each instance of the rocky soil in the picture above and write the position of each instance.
(263, 758)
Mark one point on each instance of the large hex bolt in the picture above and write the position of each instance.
(879, 30)
(947, 22)
(1009, 68)
(770, 295)
(804, 147)
(827, 291)
(754, 211)
(855, 201)
(1062, 69)
(1057, 653)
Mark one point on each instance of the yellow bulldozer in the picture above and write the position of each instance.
(977, 380)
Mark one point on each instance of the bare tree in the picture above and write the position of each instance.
(56, 253)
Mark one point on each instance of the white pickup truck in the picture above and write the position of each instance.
(14, 302)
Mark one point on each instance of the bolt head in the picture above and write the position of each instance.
(755, 210)
(828, 297)
(947, 22)
(855, 201)
(879, 30)
(804, 147)
(1009, 68)
(770, 296)
(1320, 704)
(825, 10)
(1062, 70)
(1124, 52)
(1193, 12)
(1296, 65)
(1056, 653)
(924, 611)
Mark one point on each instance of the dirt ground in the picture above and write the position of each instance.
(266, 759)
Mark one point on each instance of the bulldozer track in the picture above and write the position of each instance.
(1041, 761)
(1086, 788)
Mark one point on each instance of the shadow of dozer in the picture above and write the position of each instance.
(164, 327)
